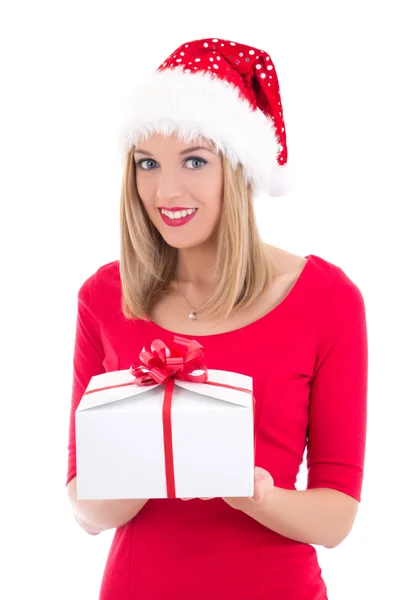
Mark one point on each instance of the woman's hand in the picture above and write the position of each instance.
(263, 485)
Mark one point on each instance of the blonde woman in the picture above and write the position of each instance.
(205, 135)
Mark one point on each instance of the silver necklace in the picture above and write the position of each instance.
(193, 313)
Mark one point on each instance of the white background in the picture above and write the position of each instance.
(65, 68)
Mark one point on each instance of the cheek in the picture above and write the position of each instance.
(145, 194)
(211, 191)
(142, 188)
(216, 200)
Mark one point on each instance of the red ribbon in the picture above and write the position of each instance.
(162, 364)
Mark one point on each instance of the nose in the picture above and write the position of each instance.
(169, 185)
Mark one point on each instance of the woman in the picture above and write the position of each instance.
(205, 134)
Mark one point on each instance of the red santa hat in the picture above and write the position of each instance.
(224, 91)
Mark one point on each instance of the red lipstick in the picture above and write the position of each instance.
(176, 222)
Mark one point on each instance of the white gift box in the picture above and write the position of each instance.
(120, 438)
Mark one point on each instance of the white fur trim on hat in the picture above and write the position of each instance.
(191, 105)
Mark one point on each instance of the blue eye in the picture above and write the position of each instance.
(198, 159)
(140, 163)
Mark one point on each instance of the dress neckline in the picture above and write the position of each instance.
(285, 302)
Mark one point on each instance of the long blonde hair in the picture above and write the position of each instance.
(147, 262)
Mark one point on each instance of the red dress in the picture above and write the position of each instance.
(308, 359)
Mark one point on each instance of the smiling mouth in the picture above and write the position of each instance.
(177, 214)
(177, 218)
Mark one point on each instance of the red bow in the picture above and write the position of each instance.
(161, 363)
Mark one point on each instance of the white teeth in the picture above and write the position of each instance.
(179, 214)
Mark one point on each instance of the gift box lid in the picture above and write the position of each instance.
(113, 394)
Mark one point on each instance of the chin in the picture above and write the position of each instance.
(185, 242)
(181, 245)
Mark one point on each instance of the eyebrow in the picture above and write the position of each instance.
(183, 151)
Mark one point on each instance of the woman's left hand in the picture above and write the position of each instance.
(263, 485)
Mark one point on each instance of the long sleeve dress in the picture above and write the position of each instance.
(308, 359)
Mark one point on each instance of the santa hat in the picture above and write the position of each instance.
(224, 91)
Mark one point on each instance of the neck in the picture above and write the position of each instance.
(196, 265)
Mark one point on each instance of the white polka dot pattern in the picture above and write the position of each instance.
(214, 45)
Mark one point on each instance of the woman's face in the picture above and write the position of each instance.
(174, 176)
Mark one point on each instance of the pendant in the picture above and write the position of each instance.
(193, 315)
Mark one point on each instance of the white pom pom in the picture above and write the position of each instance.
(279, 181)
